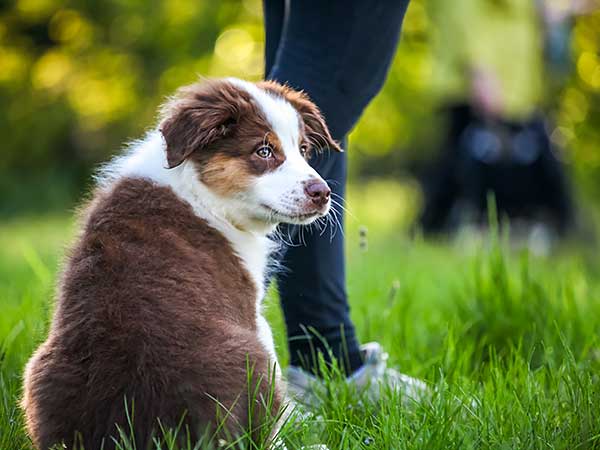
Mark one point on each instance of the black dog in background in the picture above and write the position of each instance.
(514, 161)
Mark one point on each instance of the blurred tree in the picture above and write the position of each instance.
(80, 77)
(578, 113)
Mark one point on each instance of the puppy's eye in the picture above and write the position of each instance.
(303, 150)
(265, 152)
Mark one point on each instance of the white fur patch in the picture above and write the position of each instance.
(282, 116)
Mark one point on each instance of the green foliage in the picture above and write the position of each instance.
(507, 341)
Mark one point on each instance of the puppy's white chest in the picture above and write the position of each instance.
(254, 251)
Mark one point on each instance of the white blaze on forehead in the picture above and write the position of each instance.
(282, 117)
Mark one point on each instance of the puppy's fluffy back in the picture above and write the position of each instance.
(153, 308)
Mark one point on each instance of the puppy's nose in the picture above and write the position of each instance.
(318, 191)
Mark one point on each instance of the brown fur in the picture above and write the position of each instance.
(153, 307)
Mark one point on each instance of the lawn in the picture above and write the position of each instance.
(509, 342)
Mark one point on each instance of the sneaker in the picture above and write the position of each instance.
(371, 378)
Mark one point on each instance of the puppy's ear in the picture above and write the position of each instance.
(315, 127)
(198, 116)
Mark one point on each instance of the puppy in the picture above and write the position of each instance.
(158, 306)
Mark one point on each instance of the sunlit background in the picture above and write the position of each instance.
(80, 78)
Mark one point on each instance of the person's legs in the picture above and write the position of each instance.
(274, 18)
(312, 287)
(339, 53)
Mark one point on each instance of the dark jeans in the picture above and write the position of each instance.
(339, 53)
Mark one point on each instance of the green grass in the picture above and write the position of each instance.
(508, 341)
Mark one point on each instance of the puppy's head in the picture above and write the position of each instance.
(249, 144)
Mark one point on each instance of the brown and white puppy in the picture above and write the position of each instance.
(159, 301)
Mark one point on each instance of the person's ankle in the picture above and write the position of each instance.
(348, 366)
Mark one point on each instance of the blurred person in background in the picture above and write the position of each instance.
(485, 151)
(556, 19)
(339, 53)
(499, 120)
